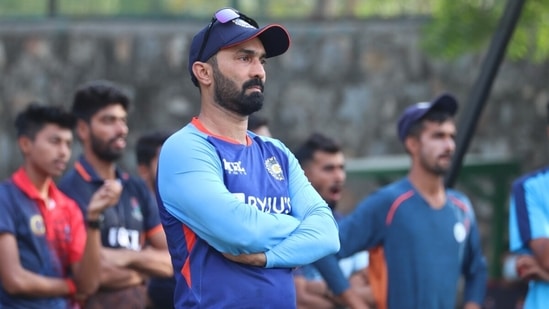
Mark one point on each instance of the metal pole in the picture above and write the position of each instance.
(52, 8)
(483, 85)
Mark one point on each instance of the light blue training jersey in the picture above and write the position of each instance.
(217, 196)
(528, 220)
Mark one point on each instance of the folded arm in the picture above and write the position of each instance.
(17, 280)
(208, 208)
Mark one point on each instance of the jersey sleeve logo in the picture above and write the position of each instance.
(273, 167)
(37, 225)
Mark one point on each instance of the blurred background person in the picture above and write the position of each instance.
(259, 125)
(134, 245)
(159, 290)
(323, 161)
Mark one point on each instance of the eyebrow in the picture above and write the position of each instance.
(252, 52)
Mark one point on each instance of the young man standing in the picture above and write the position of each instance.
(101, 111)
(323, 161)
(421, 236)
(49, 258)
(237, 209)
(529, 232)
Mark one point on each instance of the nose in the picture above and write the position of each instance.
(340, 175)
(258, 69)
(122, 127)
(451, 144)
(65, 150)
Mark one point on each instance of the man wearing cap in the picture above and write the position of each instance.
(421, 236)
(238, 212)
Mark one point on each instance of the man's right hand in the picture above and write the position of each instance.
(528, 268)
(352, 300)
(106, 196)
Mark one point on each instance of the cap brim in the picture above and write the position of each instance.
(274, 37)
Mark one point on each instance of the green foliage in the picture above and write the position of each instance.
(14, 8)
(459, 27)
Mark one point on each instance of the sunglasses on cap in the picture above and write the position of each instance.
(224, 16)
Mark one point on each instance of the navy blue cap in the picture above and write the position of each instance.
(274, 37)
(412, 114)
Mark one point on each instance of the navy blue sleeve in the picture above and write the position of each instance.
(474, 268)
(6, 219)
(363, 229)
(150, 208)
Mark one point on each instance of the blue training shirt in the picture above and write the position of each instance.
(422, 250)
(219, 196)
(528, 220)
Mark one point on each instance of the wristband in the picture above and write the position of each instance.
(95, 224)
(71, 285)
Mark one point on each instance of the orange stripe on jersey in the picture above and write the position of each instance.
(82, 171)
(377, 276)
(459, 204)
(196, 122)
(154, 230)
(190, 238)
(396, 204)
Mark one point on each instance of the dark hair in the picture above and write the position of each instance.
(316, 142)
(437, 116)
(96, 95)
(31, 120)
(256, 121)
(147, 146)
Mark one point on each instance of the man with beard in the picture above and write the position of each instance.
(101, 109)
(237, 209)
(47, 260)
(421, 236)
(323, 161)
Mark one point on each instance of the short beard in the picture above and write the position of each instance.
(227, 95)
(103, 151)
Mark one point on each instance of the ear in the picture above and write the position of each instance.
(25, 144)
(412, 144)
(203, 72)
(82, 129)
(143, 172)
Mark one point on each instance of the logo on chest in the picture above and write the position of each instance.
(37, 225)
(460, 232)
(274, 168)
(234, 168)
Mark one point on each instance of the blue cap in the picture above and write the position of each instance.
(274, 37)
(412, 114)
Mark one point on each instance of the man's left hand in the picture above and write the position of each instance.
(254, 259)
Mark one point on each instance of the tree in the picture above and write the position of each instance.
(465, 26)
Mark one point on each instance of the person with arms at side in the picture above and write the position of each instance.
(323, 161)
(49, 258)
(101, 109)
(159, 290)
(529, 233)
(259, 125)
(237, 209)
(421, 236)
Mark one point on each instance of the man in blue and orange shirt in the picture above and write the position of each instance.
(237, 209)
(49, 257)
(134, 244)
(422, 236)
